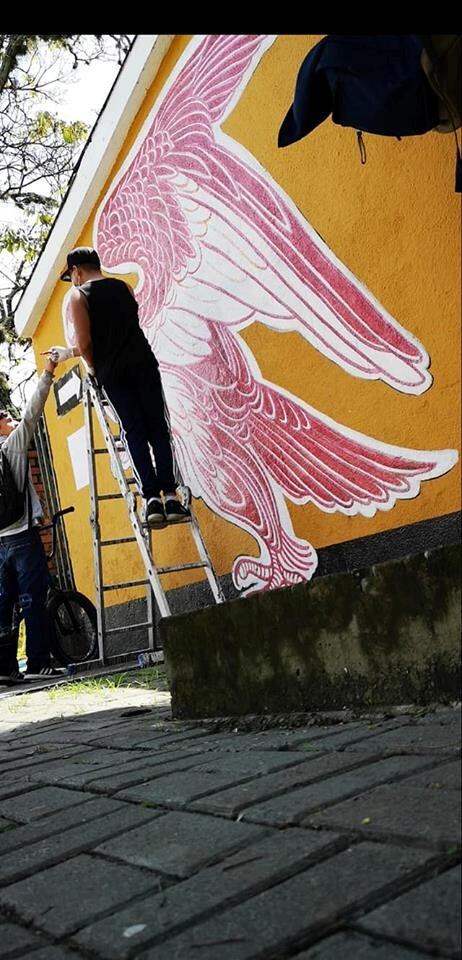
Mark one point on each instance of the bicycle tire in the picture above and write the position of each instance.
(73, 627)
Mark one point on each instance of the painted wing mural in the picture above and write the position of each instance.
(218, 245)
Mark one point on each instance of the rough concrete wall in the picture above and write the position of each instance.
(389, 637)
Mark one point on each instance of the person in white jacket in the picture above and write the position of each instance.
(24, 574)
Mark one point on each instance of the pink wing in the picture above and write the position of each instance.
(243, 446)
(309, 456)
(214, 240)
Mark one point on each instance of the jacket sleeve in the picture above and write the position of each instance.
(21, 437)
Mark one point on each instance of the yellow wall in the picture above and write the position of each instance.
(395, 223)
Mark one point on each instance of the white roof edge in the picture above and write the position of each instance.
(125, 99)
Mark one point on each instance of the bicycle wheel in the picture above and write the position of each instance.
(73, 629)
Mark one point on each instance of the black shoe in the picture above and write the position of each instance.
(13, 679)
(176, 512)
(155, 514)
(46, 672)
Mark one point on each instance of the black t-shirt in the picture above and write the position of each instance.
(119, 344)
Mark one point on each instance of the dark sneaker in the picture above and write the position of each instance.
(46, 672)
(155, 514)
(176, 512)
(13, 679)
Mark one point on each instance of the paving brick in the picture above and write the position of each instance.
(230, 801)
(57, 823)
(63, 898)
(280, 739)
(14, 940)
(253, 868)
(171, 738)
(14, 786)
(305, 904)
(416, 738)
(428, 917)
(58, 736)
(179, 844)
(45, 852)
(294, 806)
(446, 776)
(353, 946)
(15, 755)
(213, 773)
(152, 739)
(398, 812)
(114, 778)
(51, 952)
(6, 825)
(361, 733)
(38, 803)
(23, 767)
(450, 718)
(81, 768)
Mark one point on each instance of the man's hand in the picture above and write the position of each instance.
(50, 365)
(58, 354)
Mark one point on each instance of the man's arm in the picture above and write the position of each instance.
(81, 320)
(22, 435)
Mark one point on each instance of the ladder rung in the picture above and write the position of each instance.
(105, 449)
(130, 626)
(111, 543)
(114, 496)
(110, 496)
(123, 586)
(183, 566)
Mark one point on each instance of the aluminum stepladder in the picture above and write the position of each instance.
(95, 400)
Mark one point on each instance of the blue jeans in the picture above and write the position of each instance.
(24, 579)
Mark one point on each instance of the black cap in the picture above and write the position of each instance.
(81, 257)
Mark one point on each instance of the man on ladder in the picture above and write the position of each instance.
(108, 336)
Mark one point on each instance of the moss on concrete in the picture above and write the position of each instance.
(388, 635)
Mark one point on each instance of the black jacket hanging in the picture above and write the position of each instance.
(374, 83)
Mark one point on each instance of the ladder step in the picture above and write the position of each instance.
(105, 449)
(183, 566)
(123, 586)
(115, 496)
(130, 626)
(111, 543)
(110, 496)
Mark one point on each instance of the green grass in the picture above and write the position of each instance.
(100, 686)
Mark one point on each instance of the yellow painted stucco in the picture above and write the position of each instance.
(395, 222)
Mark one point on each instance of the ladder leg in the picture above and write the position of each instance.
(205, 556)
(94, 522)
(131, 504)
(150, 606)
(93, 399)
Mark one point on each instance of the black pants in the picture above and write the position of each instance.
(138, 401)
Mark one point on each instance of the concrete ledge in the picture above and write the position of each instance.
(390, 634)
